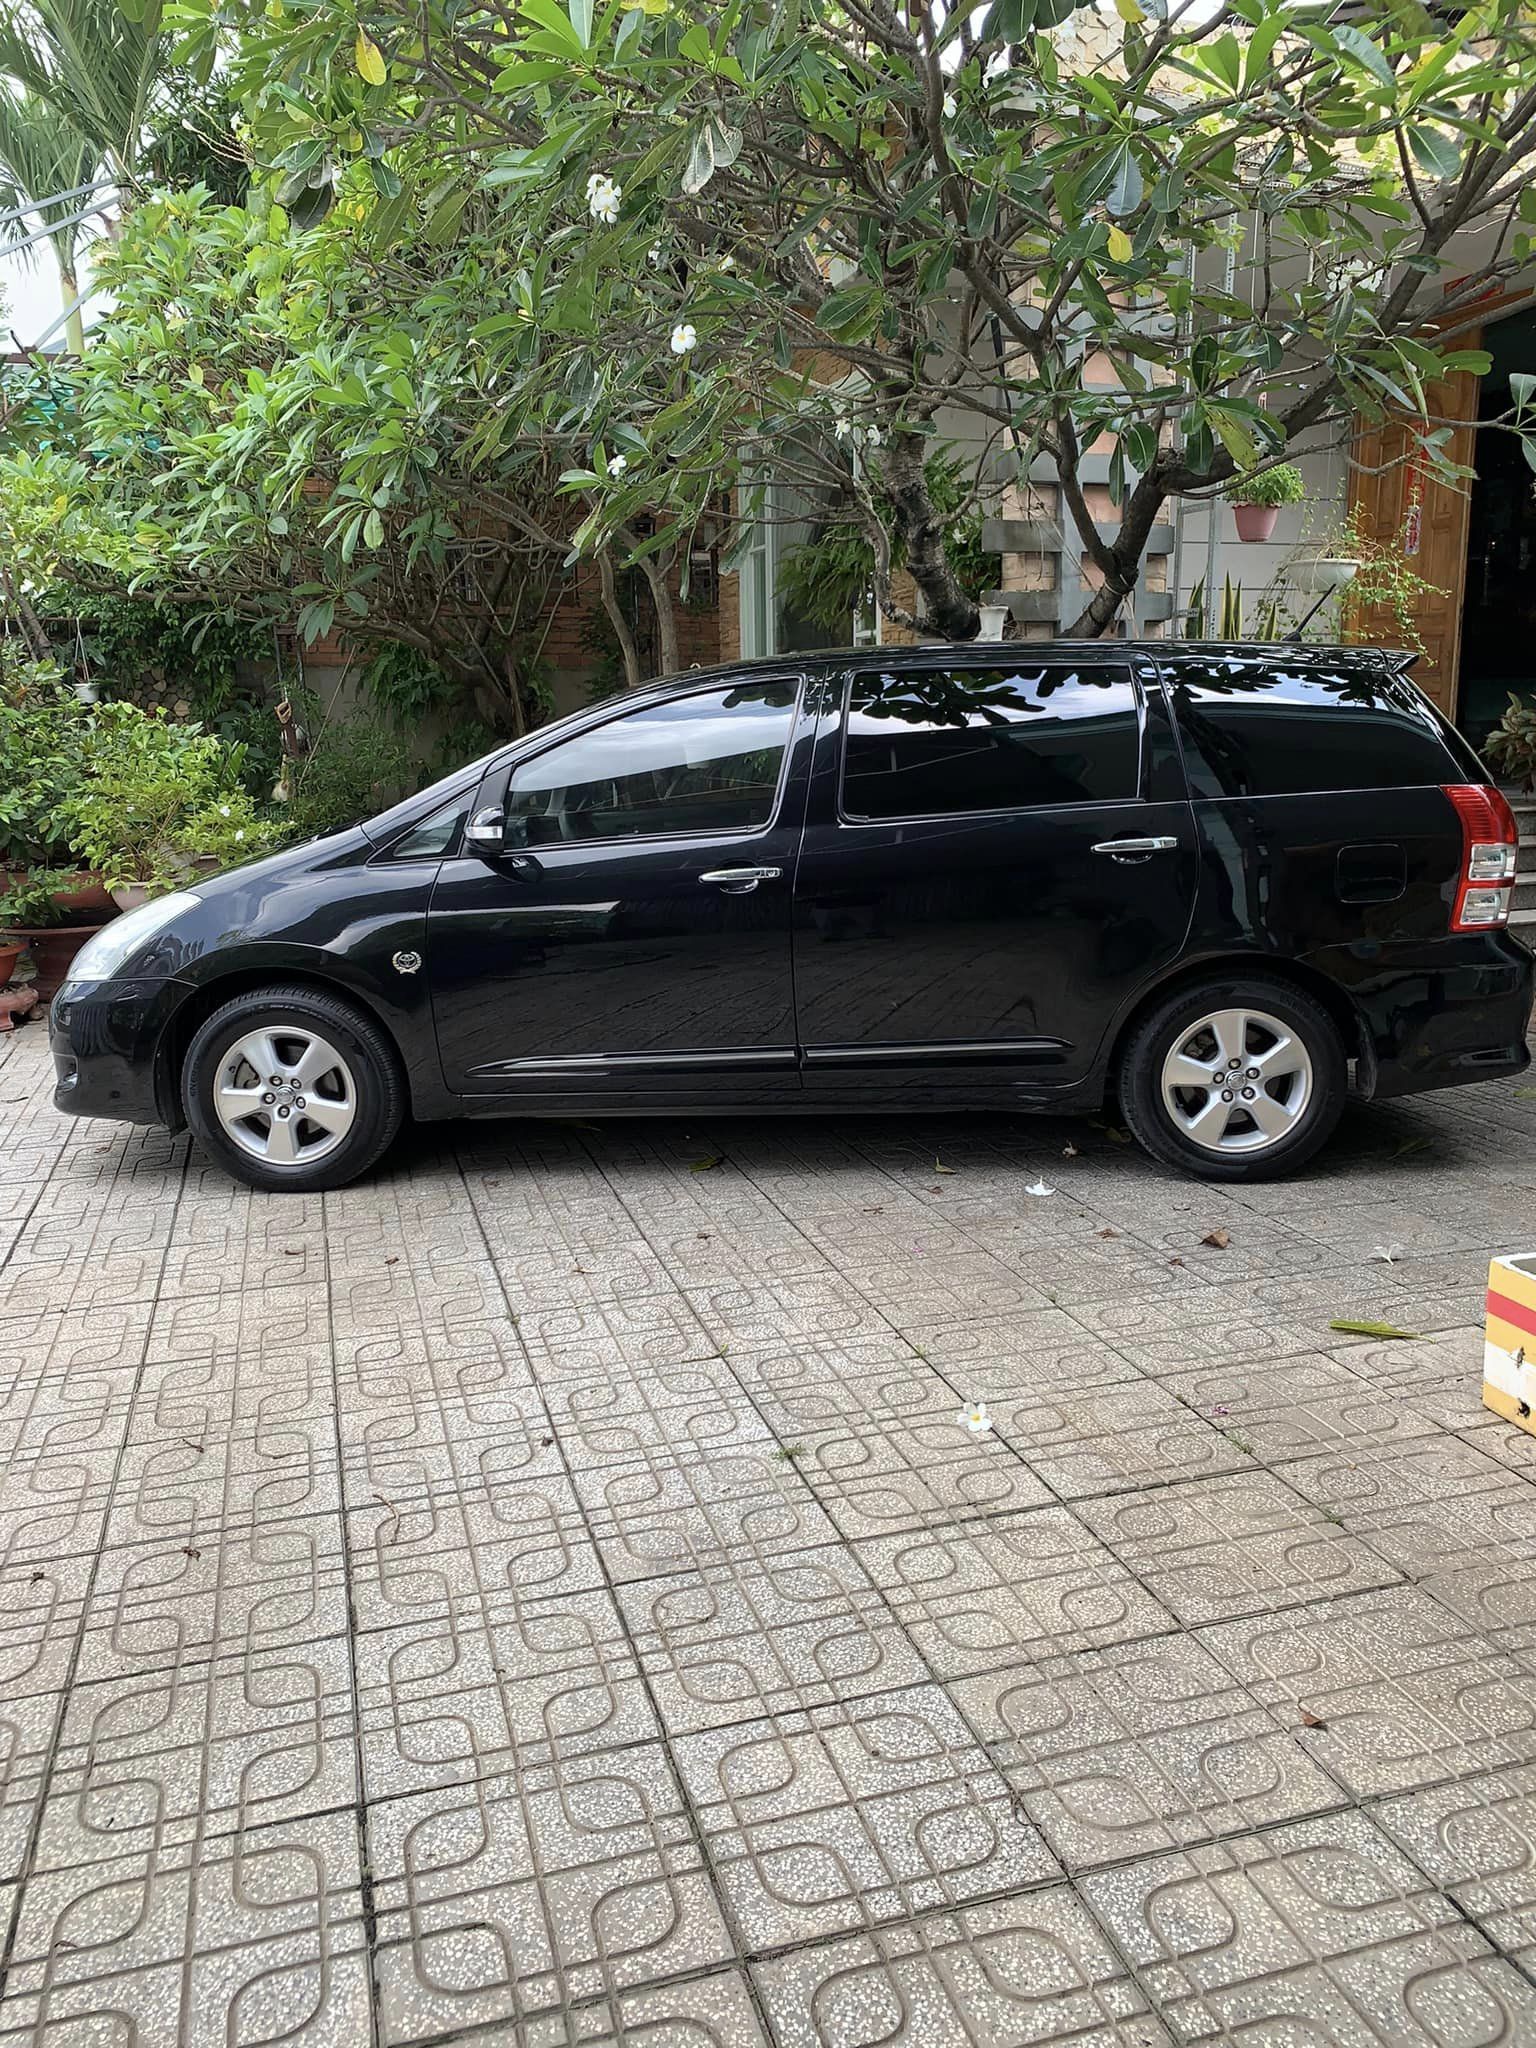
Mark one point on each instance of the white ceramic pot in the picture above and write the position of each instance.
(130, 895)
(1322, 573)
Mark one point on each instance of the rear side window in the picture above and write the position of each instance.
(946, 741)
(1260, 728)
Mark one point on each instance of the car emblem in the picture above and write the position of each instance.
(407, 963)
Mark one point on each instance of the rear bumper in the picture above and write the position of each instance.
(105, 1037)
(1460, 1014)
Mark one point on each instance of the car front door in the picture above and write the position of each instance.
(624, 929)
(997, 856)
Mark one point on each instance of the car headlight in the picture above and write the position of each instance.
(100, 958)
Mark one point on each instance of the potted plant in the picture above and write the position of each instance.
(1511, 746)
(1256, 499)
(161, 798)
(43, 734)
(30, 912)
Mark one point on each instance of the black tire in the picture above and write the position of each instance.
(1167, 1026)
(367, 1079)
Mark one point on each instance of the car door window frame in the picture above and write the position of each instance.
(844, 701)
(494, 790)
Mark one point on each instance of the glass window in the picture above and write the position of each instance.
(706, 763)
(935, 742)
(433, 837)
(1265, 728)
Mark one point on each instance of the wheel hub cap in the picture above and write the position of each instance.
(285, 1095)
(1239, 1080)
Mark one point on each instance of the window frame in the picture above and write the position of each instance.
(1049, 660)
(389, 854)
(497, 787)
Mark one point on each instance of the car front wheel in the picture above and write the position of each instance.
(291, 1089)
(1241, 1078)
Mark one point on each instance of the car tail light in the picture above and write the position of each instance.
(1490, 842)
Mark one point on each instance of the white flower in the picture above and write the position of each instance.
(655, 254)
(685, 336)
(239, 834)
(950, 108)
(974, 1417)
(1387, 1254)
(1039, 1188)
(842, 426)
(727, 263)
(872, 437)
(223, 810)
(603, 197)
(617, 464)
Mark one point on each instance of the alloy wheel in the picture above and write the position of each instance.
(285, 1095)
(1238, 1080)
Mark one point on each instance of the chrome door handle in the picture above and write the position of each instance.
(1134, 849)
(741, 881)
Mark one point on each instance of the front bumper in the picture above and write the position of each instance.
(105, 1037)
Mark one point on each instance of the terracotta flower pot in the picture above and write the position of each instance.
(1255, 522)
(53, 951)
(83, 891)
(10, 953)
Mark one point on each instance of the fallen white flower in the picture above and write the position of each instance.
(685, 336)
(1039, 1188)
(1388, 1254)
(974, 1417)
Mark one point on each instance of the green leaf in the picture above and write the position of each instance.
(1224, 59)
(581, 21)
(1434, 152)
(373, 530)
(1125, 193)
(1352, 1328)
(1355, 43)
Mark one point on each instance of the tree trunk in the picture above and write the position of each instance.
(948, 610)
(657, 570)
(1122, 569)
(74, 318)
(616, 618)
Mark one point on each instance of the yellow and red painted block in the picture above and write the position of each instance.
(1509, 1341)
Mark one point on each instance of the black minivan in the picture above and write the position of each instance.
(1220, 885)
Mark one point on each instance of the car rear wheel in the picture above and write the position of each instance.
(1241, 1078)
(290, 1089)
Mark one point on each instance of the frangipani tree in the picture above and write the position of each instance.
(814, 238)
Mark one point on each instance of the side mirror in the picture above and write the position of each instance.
(486, 833)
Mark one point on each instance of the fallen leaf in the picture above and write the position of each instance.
(705, 1165)
(704, 1234)
(1039, 1188)
(939, 1168)
(393, 1260)
(1107, 1233)
(188, 1551)
(293, 1251)
(1526, 1094)
(546, 1443)
(1354, 1329)
(789, 1452)
(1116, 1136)
(1410, 1145)
(1175, 1262)
(38, 1578)
(191, 1446)
(1218, 1240)
(875, 1209)
(1311, 1720)
(1221, 1408)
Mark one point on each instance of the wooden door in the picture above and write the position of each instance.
(1398, 502)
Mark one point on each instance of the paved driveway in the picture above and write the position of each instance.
(546, 1594)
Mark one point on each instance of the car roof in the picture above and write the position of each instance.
(818, 659)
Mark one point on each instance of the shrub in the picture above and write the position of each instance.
(1282, 485)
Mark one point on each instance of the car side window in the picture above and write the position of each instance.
(709, 762)
(435, 835)
(933, 743)
(1269, 728)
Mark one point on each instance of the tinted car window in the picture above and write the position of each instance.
(434, 835)
(705, 763)
(1260, 728)
(955, 740)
